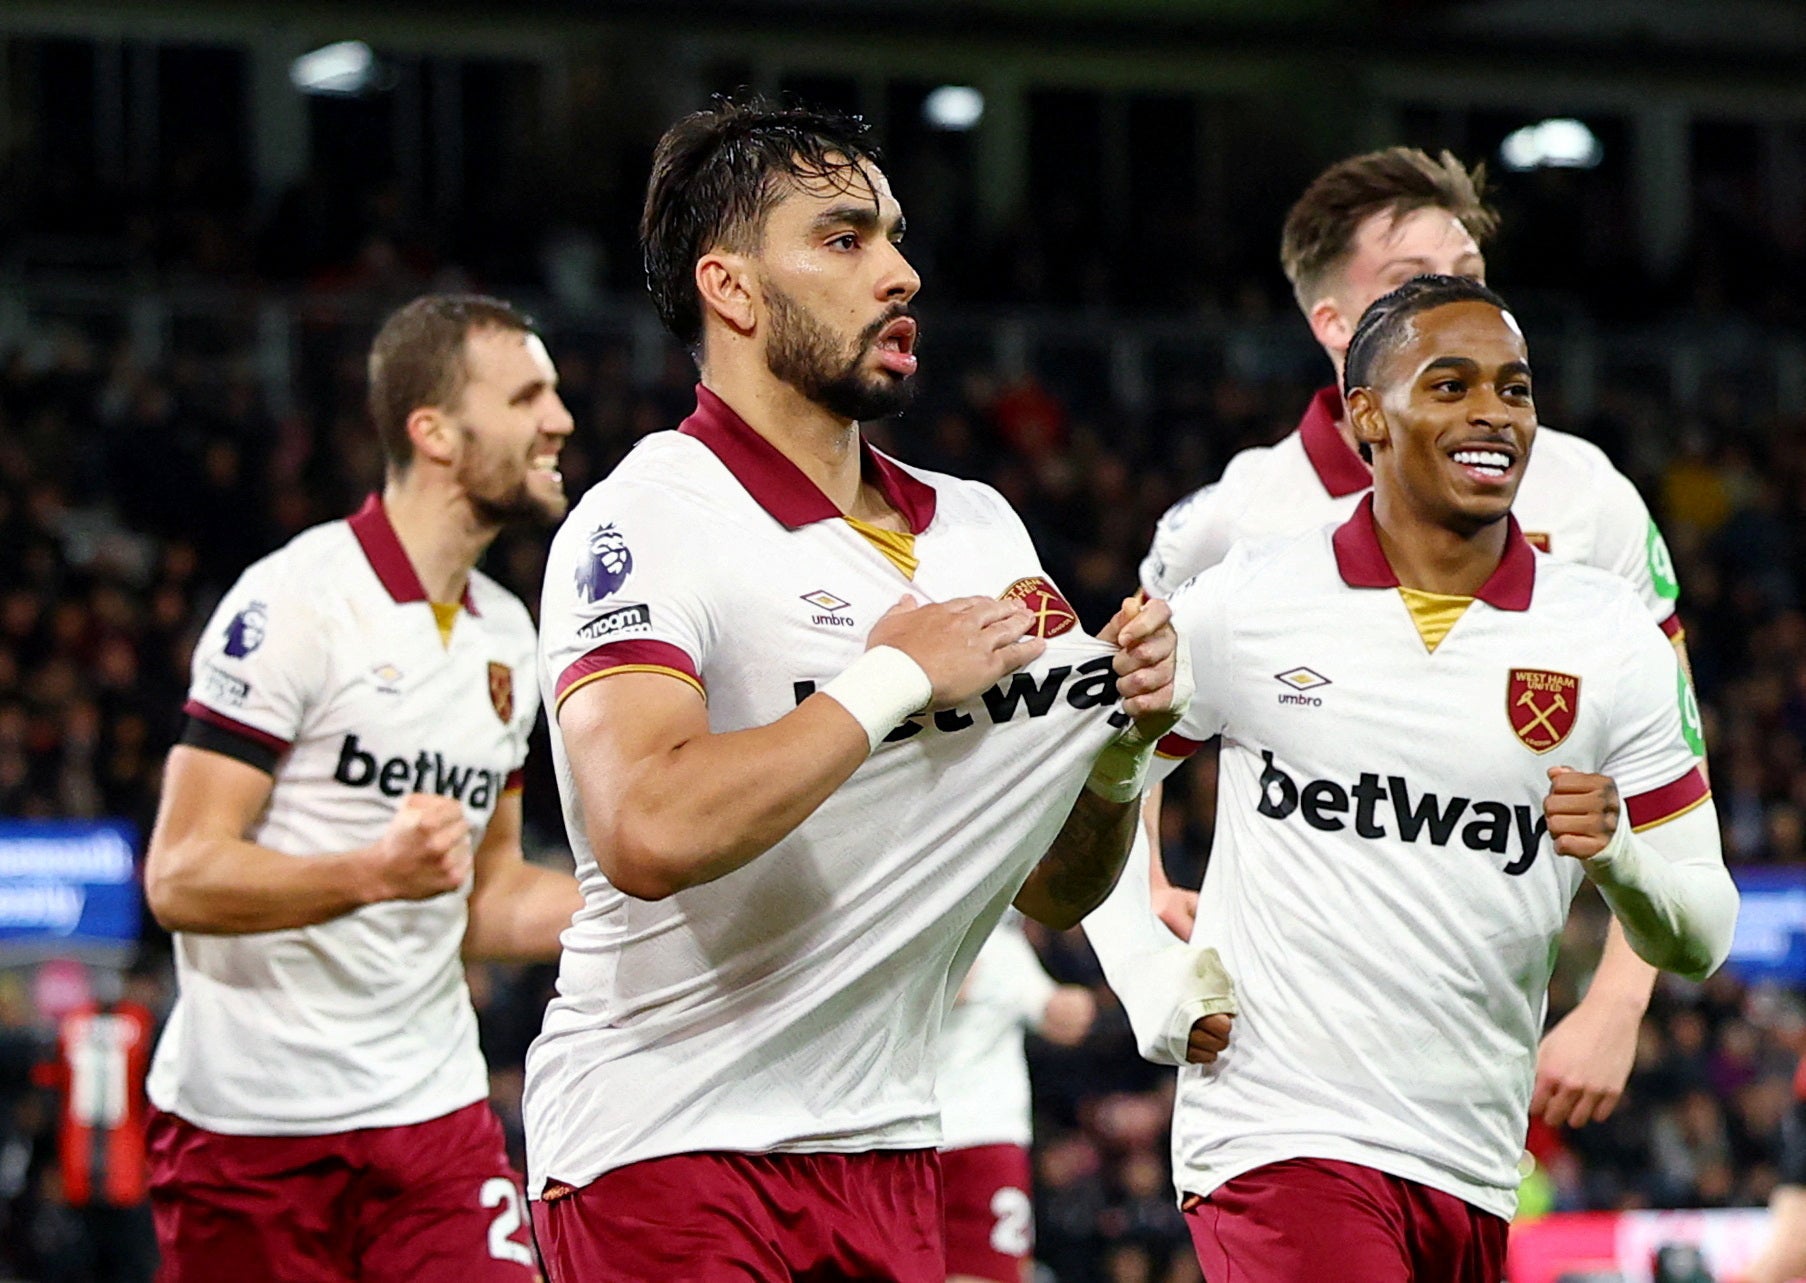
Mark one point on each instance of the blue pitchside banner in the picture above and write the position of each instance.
(67, 886)
(1770, 943)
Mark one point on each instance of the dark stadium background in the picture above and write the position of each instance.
(193, 253)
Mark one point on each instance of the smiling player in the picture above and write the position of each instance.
(1362, 228)
(1395, 855)
(340, 828)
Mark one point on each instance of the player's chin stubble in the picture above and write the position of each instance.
(805, 355)
(500, 497)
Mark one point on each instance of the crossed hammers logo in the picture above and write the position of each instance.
(1050, 612)
(1540, 715)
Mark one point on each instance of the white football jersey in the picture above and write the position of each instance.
(325, 666)
(792, 1005)
(1382, 886)
(1572, 503)
(983, 1082)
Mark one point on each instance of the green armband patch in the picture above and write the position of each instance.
(1661, 565)
(1692, 727)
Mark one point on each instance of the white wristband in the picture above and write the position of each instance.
(880, 689)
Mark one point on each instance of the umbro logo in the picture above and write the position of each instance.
(1302, 680)
(829, 607)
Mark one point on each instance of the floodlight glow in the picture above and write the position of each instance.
(956, 107)
(1554, 144)
(341, 70)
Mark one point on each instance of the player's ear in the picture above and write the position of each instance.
(1366, 417)
(724, 283)
(433, 434)
(1329, 326)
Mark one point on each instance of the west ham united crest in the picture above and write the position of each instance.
(1541, 706)
(501, 690)
(1053, 615)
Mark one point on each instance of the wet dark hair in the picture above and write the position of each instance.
(1382, 324)
(717, 174)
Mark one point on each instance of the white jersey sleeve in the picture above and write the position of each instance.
(1628, 543)
(1655, 741)
(257, 667)
(623, 593)
(1191, 536)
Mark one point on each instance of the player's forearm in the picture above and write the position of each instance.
(1623, 979)
(1150, 817)
(1084, 862)
(713, 804)
(1670, 891)
(518, 915)
(1151, 973)
(220, 886)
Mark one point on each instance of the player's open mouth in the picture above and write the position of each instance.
(896, 346)
(1486, 464)
(547, 463)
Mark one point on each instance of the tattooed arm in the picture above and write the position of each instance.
(1088, 853)
(1086, 858)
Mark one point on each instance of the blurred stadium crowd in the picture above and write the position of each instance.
(135, 486)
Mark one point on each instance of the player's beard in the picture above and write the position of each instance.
(807, 355)
(497, 487)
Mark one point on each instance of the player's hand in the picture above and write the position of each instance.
(1208, 1037)
(1584, 1062)
(1582, 810)
(964, 645)
(425, 851)
(1176, 908)
(1147, 664)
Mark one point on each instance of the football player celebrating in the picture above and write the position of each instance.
(819, 719)
(340, 829)
(1363, 227)
(1431, 737)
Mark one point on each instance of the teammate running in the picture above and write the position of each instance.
(340, 829)
(986, 1110)
(1431, 737)
(1363, 227)
(818, 716)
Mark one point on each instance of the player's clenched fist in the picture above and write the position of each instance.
(963, 645)
(1582, 811)
(425, 851)
(1208, 1037)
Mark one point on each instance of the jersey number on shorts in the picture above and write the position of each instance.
(499, 1191)
(1013, 1232)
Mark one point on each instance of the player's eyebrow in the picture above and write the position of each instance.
(528, 390)
(1511, 368)
(1459, 364)
(861, 218)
